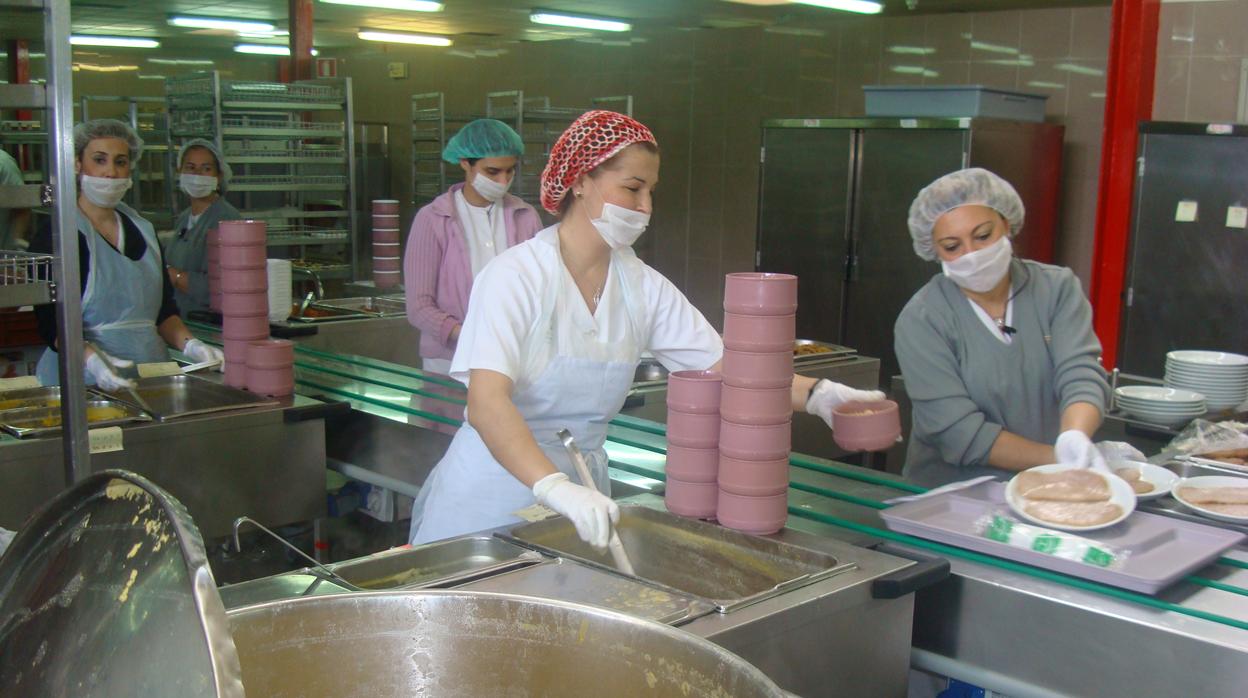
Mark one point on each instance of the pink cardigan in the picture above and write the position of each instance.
(437, 271)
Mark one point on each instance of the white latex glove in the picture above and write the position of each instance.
(590, 510)
(1120, 450)
(104, 374)
(200, 352)
(1073, 447)
(828, 395)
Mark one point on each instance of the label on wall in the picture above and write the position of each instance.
(396, 70)
(1236, 217)
(327, 67)
(1186, 211)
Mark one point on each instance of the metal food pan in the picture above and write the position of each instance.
(726, 568)
(332, 314)
(832, 351)
(42, 421)
(436, 564)
(27, 398)
(1167, 506)
(172, 397)
(1163, 549)
(369, 305)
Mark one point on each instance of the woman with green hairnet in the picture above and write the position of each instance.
(458, 233)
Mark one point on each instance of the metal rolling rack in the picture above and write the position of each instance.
(432, 126)
(154, 194)
(34, 279)
(292, 165)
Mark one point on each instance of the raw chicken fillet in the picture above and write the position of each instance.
(1064, 486)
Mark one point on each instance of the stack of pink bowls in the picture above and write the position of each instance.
(271, 367)
(244, 293)
(213, 249)
(387, 260)
(692, 443)
(756, 404)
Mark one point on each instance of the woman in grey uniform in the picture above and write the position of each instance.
(203, 176)
(998, 353)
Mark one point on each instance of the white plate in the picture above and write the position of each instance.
(1210, 481)
(1161, 479)
(1153, 393)
(1207, 358)
(1163, 407)
(1183, 376)
(1120, 493)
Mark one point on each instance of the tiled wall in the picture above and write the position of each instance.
(1201, 50)
(706, 92)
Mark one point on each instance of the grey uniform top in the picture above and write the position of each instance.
(967, 385)
(188, 251)
(10, 175)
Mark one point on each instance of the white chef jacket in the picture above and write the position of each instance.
(485, 232)
(500, 332)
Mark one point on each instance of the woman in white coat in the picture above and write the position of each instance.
(554, 330)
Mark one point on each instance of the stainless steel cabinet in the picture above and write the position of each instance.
(834, 197)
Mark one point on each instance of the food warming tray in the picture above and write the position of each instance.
(174, 397)
(438, 564)
(46, 420)
(375, 306)
(1163, 549)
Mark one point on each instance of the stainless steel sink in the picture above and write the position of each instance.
(436, 564)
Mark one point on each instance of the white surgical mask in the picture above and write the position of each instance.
(490, 190)
(197, 186)
(619, 227)
(104, 192)
(980, 271)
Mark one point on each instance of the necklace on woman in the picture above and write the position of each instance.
(597, 296)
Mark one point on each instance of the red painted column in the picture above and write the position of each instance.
(301, 67)
(1128, 101)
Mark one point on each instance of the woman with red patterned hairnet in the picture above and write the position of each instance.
(554, 331)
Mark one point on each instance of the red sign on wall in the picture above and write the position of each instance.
(327, 67)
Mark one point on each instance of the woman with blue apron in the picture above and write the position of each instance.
(128, 312)
(553, 334)
(204, 176)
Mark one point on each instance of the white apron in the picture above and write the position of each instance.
(581, 389)
(121, 300)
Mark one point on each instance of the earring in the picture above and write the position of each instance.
(577, 194)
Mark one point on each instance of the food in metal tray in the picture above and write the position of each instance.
(1132, 476)
(807, 349)
(1234, 456)
(1078, 513)
(1064, 486)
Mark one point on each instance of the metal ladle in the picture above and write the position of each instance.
(318, 565)
(618, 554)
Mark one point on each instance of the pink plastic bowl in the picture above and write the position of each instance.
(386, 279)
(692, 430)
(759, 332)
(243, 257)
(246, 232)
(692, 499)
(866, 432)
(271, 381)
(763, 369)
(244, 280)
(386, 249)
(214, 297)
(387, 237)
(757, 515)
(386, 207)
(755, 442)
(760, 293)
(385, 222)
(249, 328)
(245, 304)
(692, 464)
(696, 392)
(753, 478)
(235, 374)
(756, 406)
(387, 263)
(271, 353)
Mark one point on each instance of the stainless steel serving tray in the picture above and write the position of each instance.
(725, 568)
(375, 306)
(833, 352)
(436, 564)
(43, 421)
(335, 314)
(174, 397)
(1194, 467)
(47, 396)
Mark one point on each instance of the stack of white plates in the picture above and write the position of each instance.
(1168, 406)
(1220, 376)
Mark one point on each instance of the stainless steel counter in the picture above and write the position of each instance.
(390, 339)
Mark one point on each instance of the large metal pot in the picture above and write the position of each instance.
(456, 643)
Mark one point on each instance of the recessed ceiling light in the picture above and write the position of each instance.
(560, 19)
(408, 5)
(234, 25)
(180, 61)
(120, 41)
(864, 7)
(397, 38)
(266, 49)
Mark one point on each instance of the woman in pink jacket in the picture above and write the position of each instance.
(458, 233)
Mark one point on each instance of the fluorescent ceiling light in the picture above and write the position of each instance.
(1046, 85)
(795, 31)
(180, 61)
(560, 19)
(993, 48)
(408, 5)
(104, 68)
(862, 7)
(234, 25)
(120, 41)
(275, 34)
(266, 49)
(396, 38)
(911, 50)
(152, 77)
(1079, 69)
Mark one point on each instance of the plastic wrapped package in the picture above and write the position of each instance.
(1215, 440)
(1004, 528)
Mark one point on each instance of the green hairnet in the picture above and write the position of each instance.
(483, 138)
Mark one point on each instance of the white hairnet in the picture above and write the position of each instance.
(88, 131)
(224, 173)
(972, 186)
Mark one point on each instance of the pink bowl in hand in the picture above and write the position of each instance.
(866, 426)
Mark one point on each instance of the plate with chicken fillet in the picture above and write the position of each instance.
(1220, 497)
(1070, 498)
(1148, 481)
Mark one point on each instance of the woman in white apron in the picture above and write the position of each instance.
(128, 312)
(554, 330)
